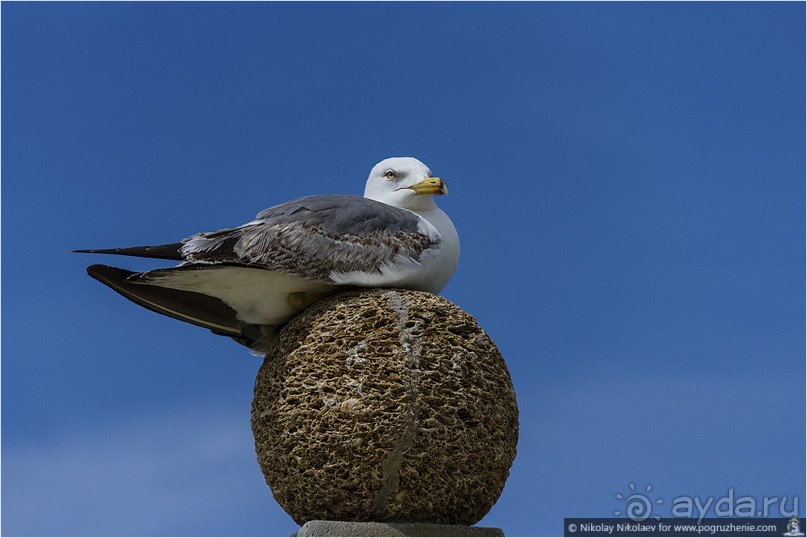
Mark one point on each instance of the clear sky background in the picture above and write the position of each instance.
(628, 182)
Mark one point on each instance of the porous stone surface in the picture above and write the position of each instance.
(385, 405)
(351, 528)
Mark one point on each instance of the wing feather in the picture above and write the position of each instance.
(316, 236)
(165, 252)
(195, 308)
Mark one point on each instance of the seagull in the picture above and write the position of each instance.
(247, 282)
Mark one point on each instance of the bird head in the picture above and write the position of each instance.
(404, 182)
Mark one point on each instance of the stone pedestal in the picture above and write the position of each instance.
(386, 406)
(350, 528)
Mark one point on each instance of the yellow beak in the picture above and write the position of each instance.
(431, 185)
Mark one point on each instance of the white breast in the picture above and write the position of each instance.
(443, 261)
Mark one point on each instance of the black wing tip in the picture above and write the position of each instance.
(108, 273)
(170, 251)
(191, 307)
(98, 250)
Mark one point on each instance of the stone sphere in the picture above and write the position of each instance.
(385, 405)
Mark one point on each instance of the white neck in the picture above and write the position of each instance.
(404, 198)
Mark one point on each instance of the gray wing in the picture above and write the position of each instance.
(315, 236)
(310, 237)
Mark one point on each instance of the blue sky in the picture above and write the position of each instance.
(628, 182)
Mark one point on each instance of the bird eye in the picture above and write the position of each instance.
(390, 174)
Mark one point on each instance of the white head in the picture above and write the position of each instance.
(404, 182)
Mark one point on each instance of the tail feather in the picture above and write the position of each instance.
(164, 252)
(195, 308)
